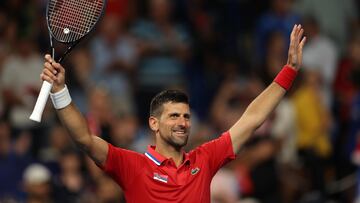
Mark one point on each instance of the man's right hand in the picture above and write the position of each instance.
(53, 73)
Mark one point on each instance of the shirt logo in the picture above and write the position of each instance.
(161, 178)
(194, 171)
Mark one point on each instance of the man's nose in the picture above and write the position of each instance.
(182, 121)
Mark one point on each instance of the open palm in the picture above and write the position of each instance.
(297, 42)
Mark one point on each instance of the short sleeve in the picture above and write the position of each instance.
(218, 152)
(122, 165)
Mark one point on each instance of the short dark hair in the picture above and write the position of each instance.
(175, 96)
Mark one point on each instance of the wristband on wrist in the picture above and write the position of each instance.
(286, 77)
(61, 99)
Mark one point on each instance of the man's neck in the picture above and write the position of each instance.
(169, 151)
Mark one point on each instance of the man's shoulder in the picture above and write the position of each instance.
(125, 152)
(209, 144)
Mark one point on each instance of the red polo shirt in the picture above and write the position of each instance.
(150, 177)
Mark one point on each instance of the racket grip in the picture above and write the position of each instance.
(41, 101)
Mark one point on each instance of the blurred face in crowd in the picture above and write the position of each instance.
(355, 49)
(173, 124)
(160, 10)
(36, 180)
(4, 138)
(313, 79)
(38, 191)
(26, 47)
(100, 104)
(59, 138)
(276, 53)
(110, 29)
(70, 162)
(282, 6)
(124, 130)
(108, 191)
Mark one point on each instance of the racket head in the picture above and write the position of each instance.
(69, 21)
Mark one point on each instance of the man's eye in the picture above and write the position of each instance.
(173, 116)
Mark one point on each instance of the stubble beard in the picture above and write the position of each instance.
(177, 142)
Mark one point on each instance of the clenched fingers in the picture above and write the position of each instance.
(48, 66)
(47, 78)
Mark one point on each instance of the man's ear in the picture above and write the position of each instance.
(154, 123)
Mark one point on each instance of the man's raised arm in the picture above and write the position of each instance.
(260, 108)
(70, 116)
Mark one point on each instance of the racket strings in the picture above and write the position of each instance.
(79, 19)
(70, 20)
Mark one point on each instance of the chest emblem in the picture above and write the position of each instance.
(194, 171)
(161, 178)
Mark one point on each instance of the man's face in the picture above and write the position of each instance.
(174, 124)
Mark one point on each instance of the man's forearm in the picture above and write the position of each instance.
(76, 124)
(264, 104)
(255, 114)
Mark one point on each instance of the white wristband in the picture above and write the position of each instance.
(61, 99)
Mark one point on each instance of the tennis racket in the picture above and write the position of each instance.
(68, 21)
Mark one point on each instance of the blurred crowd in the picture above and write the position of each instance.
(223, 53)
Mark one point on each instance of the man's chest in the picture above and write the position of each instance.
(189, 174)
(190, 182)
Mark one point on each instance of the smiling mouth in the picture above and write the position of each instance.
(180, 132)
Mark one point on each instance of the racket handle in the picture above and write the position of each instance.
(41, 101)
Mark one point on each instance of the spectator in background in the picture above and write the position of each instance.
(70, 183)
(99, 115)
(321, 54)
(58, 142)
(287, 160)
(354, 132)
(80, 70)
(231, 100)
(255, 166)
(337, 19)
(20, 88)
(24, 13)
(280, 18)
(283, 121)
(107, 191)
(164, 49)
(5, 28)
(114, 52)
(118, 8)
(7, 37)
(13, 161)
(19, 83)
(224, 187)
(345, 91)
(312, 129)
(2, 109)
(126, 11)
(37, 184)
(274, 54)
(346, 139)
(124, 131)
(228, 15)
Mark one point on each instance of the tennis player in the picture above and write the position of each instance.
(165, 173)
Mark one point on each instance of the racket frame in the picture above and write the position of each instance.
(71, 44)
(46, 86)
